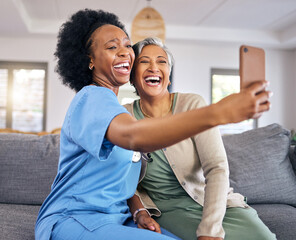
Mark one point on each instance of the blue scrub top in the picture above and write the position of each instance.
(95, 177)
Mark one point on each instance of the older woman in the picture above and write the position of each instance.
(186, 185)
(97, 171)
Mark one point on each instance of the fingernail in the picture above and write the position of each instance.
(270, 94)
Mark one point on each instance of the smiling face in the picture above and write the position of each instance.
(151, 76)
(112, 56)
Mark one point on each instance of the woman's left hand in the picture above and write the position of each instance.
(146, 222)
(209, 238)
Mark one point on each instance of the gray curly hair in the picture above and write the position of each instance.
(138, 47)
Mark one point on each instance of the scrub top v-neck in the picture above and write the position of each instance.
(95, 177)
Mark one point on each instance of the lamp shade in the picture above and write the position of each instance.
(147, 23)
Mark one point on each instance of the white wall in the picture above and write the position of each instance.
(191, 74)
(280, 70)
(293, 93)
(34, 50)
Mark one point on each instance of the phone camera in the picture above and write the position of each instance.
(245, 49)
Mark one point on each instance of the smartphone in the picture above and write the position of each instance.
(251, 65)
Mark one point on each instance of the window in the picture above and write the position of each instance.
(225, 82)
(22, 96)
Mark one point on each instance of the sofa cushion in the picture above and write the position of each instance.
(259, 165)
(28, 165)
(18, 221)
(279, 218)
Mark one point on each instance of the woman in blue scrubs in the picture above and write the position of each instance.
(92, 194)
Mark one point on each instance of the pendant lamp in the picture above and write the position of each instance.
(147, 23)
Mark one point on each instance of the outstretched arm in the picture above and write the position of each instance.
(151, 134)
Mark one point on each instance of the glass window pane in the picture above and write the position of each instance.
(28, 97)
(222, 86)
(3, 96)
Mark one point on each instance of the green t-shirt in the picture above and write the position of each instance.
(160, 181)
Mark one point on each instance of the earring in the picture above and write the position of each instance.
(90, 67)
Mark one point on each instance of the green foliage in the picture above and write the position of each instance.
(223, 85)
(294, 137)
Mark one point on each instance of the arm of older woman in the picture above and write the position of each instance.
(151, 134)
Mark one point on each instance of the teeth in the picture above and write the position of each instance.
(153, 83)
(152, 78)
(122, 65)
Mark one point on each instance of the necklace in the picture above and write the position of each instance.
(148, 116)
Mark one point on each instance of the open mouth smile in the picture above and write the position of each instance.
(123, 68)
(153, 80)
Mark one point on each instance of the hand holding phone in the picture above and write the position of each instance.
(252, 65)
(252, 69)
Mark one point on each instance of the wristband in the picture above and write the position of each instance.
(137, 211)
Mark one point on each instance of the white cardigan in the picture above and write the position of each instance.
(201, 167)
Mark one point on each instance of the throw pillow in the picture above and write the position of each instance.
(28, 166)
(259, 165)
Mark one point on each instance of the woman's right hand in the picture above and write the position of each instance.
(249, 103)
(146, 222)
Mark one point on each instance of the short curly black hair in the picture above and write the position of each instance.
(74, 45)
